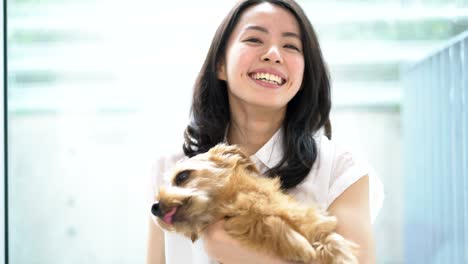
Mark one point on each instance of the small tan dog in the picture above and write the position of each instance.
(224, 184)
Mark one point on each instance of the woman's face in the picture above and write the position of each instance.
(264, 62)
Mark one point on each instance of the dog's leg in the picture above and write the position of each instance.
(331, 248)
(319, 230)
(270, 235)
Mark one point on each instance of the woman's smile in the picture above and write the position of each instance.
(269, 78)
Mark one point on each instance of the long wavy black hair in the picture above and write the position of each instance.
(306, 113)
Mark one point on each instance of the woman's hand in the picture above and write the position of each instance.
(223, 248)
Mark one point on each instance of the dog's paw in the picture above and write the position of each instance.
(335, 249)
(296, 248)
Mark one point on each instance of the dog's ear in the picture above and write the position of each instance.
(231, 155)
(228, 150)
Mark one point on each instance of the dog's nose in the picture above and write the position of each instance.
(156, 210)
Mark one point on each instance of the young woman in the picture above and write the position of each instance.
(264, 86)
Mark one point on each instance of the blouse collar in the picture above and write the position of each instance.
(271, 153)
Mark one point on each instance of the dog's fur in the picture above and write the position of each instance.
(224, 184)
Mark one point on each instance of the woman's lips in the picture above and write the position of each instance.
(273, 73)
(266, 84)
(268, 77)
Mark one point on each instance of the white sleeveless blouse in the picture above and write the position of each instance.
(334, 170)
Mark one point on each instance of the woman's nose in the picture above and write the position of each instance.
(273, 55)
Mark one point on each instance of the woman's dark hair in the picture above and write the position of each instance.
(306, 113)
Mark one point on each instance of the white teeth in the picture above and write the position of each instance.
(271, 78)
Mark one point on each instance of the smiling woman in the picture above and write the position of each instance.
(265, 88)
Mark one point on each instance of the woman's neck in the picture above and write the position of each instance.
(252, 129)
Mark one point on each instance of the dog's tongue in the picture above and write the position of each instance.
(168, 217)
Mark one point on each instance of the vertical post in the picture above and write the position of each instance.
(3, 220)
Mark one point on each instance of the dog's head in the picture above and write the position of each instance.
(191, 200)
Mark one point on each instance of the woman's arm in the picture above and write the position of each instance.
(222, 248)
(352, 210)
(155, 246)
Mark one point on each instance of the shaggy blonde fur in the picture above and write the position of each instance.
(224, 184)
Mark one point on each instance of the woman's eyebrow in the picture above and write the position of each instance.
(264, 30)
(258, 28)
(291, 34)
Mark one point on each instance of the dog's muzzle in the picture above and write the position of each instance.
(165, 213)
(156, 210)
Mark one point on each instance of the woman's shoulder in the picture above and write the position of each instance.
(340, 165)
(317, 184)
(335, 147)
(336, 156)
(329, 154)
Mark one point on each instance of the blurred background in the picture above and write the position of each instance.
(98, 89)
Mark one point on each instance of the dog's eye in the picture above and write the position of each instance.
(181, 177)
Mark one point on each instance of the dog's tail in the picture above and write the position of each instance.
(335, 249)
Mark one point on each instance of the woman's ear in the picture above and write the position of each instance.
(221, 71)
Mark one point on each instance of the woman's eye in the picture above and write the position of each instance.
(181, 177)
(289, 46)
(253, 40)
